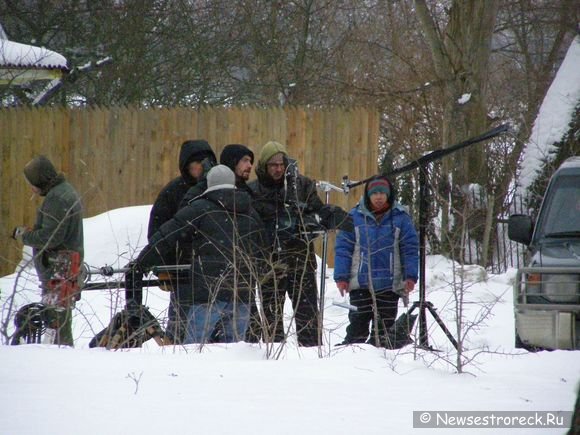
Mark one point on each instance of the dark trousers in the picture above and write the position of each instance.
(299, 282)
(180, 301)
(254, 331)
(60, 319)
(386, 312)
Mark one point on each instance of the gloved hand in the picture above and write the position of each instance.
(343, 287)
(332, 217)
(18, 232)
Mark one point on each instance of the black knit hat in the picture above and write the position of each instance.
(233, 153)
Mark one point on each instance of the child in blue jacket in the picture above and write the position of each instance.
(377, 262)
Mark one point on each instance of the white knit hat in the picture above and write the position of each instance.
(220, 177)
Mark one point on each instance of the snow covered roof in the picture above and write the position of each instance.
(22, 63)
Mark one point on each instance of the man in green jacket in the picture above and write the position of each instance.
(57, 242)
(288, 204)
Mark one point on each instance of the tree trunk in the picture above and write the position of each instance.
(460, 55)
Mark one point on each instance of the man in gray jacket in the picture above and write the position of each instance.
(57, 242)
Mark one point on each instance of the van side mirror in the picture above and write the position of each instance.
(520, 228)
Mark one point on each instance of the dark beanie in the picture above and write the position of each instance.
(40, 172)
(233, 153)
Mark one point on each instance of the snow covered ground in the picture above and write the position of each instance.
(240, 388)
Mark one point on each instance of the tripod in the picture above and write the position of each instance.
(422, 164)
(423, 304)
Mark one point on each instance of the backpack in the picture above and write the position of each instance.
(130, 328)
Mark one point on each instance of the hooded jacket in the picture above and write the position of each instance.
(378, 255)
(227, 240)
(59, 220)
(288, 206)
(169, 199)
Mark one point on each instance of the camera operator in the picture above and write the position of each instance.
(288, 204)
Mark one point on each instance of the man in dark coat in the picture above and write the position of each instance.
(196, 158)
(287, 203)
(57, 234)
(239, 158)
(226, 235)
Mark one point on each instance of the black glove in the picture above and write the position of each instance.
(134, 284)
(333, 217)
(346, 224)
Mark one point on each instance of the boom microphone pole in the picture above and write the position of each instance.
(432, 156)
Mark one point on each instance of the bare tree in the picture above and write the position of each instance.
(438, 71)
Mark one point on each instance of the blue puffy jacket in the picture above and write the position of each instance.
(392, 245)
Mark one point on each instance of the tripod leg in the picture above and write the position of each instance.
(413, 307)
(442, 325)
(423, 335)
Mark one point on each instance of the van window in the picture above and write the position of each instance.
(561, 211)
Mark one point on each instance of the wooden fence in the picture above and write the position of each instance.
(118, 157)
